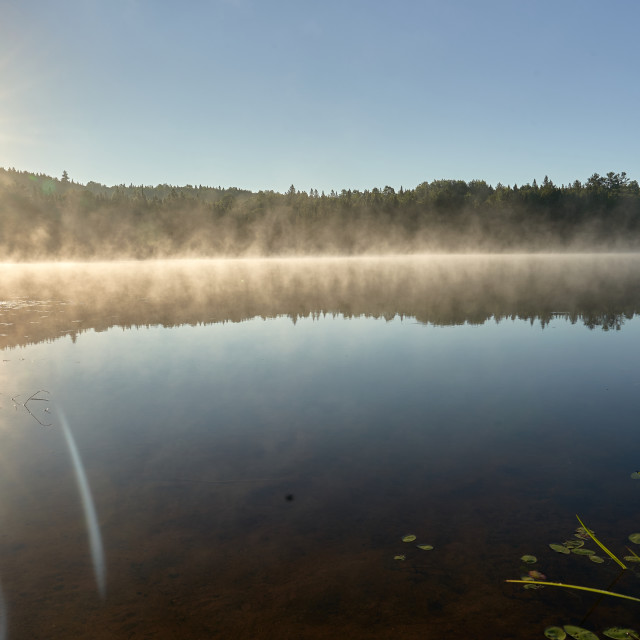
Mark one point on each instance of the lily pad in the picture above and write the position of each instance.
(632, 559)
(408, 538)
(635, 475)
(583, 552)
(579, 633)
(574, 544)
(596, 559)
(635, 538)
(618, 633)
(399, 557)
(560, 548)
(555, 633)
(529, 559)
(425, 547)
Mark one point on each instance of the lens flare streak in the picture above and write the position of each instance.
(95, 538)
(3, 616)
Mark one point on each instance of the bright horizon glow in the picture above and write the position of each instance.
(356, 95)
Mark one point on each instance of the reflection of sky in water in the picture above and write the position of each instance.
(328, 362)
(375, 427)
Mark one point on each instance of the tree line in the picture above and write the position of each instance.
(42, 217)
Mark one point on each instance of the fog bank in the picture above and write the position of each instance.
(42, 218)
(47, 301)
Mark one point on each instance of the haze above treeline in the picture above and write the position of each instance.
(48, 218)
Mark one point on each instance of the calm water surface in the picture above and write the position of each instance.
(258, 439)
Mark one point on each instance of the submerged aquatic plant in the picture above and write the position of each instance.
(575, 586)
(634, 555)
(593, 537)
(576, 547)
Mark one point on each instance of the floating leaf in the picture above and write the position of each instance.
(529, 559)
(632, 558)
(574, 544)
(635, 475)
(583, 552)
(425, 547)
(579, 633)
(596, 559)
(399, 557)
(408, 538)
(618, 633)
(536, 575)
(555, 633)
(635, 538)
(560, 548)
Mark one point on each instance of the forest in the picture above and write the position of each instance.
(48, 218)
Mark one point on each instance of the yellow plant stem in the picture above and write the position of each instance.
(590, 534)
(575, 586)
(633, 553)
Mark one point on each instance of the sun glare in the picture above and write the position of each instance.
(15, 123)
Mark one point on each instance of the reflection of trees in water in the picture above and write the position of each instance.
(606, 321)
(43, 302)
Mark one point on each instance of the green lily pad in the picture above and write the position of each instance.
(596, 559)
(583, 552)
(399, 557)
(574, 544)
(635, 475)
(529, 559)
(408, 538)
(631, 559)
(618, 633)
(555, 633)
(425, 547)
(560, 548)
(579, 633)
(635, 538)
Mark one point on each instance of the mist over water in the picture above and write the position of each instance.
(598, 290)
(48, 219)
(260, 435)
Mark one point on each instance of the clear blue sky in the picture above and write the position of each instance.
(261, 94)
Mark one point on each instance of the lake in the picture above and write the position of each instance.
(236, 449)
